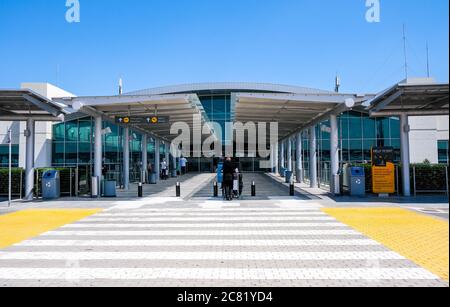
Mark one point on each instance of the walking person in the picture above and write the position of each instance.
(164, 169)
(228, 171)
(183, 164)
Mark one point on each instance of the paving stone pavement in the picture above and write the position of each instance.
(209, 244)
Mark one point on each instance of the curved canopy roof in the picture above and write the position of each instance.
(229, 87)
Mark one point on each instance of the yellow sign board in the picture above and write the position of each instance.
(383, 179)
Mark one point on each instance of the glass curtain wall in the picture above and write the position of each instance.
(73, 144)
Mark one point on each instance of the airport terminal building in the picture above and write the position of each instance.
(318, 130)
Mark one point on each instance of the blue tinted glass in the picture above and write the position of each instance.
(369, 128)
(59, 131)
(395, 128)
(72, 131)
(85, 131)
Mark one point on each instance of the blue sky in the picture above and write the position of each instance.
(152, 43)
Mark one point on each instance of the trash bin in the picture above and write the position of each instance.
(357, 181)
(153, 178)
(51, 185)
(288, 176)
(110, 188)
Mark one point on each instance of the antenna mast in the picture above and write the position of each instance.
(404, 51)
(428, 61)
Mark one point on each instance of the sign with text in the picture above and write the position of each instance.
(142, 120)
(383, 179)
(381, 156)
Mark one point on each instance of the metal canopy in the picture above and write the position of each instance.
(293, 112)
(178, 107)
(22, 104)
(411, 97)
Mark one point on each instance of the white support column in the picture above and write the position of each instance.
(175, 155)
(313, 157)
(404, 140)
(29, 160)
(167, 155)
(334, 151)
(282, 155)
(157, 168)
(126, 158)
(289, 154)
(299, 158)
(145, 174)
(98, 151)
(274, 158)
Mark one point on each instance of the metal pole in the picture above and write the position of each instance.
(404, 139)
(10, 167)
(313, 158)
(415, 183)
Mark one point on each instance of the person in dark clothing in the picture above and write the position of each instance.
(228, 171)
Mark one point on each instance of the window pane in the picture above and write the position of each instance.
(355, 128)
(356, 154)
(59, 132)
(369, 128)
(85, 131)
(72, 131)
(58, 153)
(395, 128)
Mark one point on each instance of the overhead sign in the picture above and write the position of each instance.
(381, 156)
(142, 120)
(383, 179)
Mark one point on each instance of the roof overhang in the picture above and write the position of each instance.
(293, 112)
(421, 98)
(178, 107)
(23, 104)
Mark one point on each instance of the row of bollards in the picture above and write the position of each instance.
(141, 190)
(253, 189)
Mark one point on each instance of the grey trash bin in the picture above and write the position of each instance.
(51, 185)
(153, 178)
(357, 181)
(288, 176)
(110, 188)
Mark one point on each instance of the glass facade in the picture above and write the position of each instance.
(73, 147)
(358, 133)
(443, 154)
(4, 155)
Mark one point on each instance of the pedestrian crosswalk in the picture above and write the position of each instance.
(204, 243)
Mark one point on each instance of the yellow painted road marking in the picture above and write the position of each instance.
(26, 224)
(422, 239)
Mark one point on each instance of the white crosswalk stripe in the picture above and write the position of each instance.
(212, 241)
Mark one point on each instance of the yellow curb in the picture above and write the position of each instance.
(420, 238)
(26, 224)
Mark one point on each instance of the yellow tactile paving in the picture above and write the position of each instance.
(22, 225)
(422, 239)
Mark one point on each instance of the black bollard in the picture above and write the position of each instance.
(216, 189)
(292, 189)
(140, 190)
(253, 189)
(178, 188)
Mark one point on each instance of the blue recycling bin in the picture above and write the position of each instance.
(51, 185)
(357, 181)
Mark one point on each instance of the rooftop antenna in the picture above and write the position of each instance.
(428, 61)
(120, 86)
(337, 84)
(404, 51)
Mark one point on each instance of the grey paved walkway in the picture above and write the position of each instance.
(208, 243)
(267, 188)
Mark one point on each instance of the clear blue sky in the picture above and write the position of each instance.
(163, 42)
